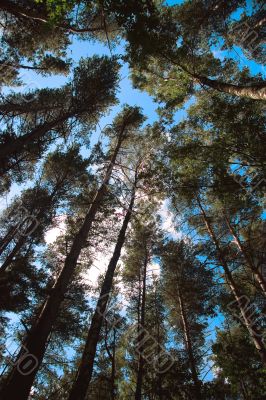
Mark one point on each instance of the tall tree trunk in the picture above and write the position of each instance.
(257, 274)
(18, 145)
(24, 108)
(8, 238)
(82, 381)
(30, 230)
(189, 348)
(112, 357)
(113, 373)
(141, 337)
(21, 12)
(255, 91)
(17, 386)
(12, 254)
(253, 330)
(157, 320)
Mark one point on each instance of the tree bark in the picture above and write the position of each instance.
(82, 381)
(21, 12)
(253, 330)
(113, 374)
(157, 320)
(12, 254)
(255, 91)
(188, 344)
(8, 238)
(17, 145)
(257, 274)
(138, 389)
(17, 386)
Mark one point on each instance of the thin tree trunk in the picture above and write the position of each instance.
(257, 340)
(31, 228)
(254, 91)
(25, 108)
(82, 381)
(112, 357)
(138, 389)
(12, 254)
(188, 344)
(258, 275)
(157, 319)
(21, 12)
(8, 238)
(113, 374)
(21, 66)
(17, 145)
(17, 386)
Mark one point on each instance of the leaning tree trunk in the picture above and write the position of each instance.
(4, 242)
(17, 386)
(18, 145)
(82, 381)
(30, 230)
(251, 327)
(12, 254)
(256, 272)
(188, 345)
(255, 91)
(141, 336)
(21, 12)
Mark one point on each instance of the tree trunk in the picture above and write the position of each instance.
(29, 231)
(12, 254)
(257, 274)
(253, 330)
(17, 386)
(141, 335)
(255, 91)
(25, 108)
(82, 381)
(188, 344)
(157, 320)
(8, 238)
(21, 12)
(17, 145)
(113, 374)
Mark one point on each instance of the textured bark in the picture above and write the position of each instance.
(189, 348)
(138, 389)
(30, 230)
(82, 381)
(8, 238)
(112, 357)
(17, 145)
(257, 274)
(17, 386)
(12, 254)
(113, 373)
(157, 320)
(20, 12)
(253, 330)
(254, 91)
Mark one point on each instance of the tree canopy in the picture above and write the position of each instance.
(132, 210)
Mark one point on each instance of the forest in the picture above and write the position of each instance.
(132, 200)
